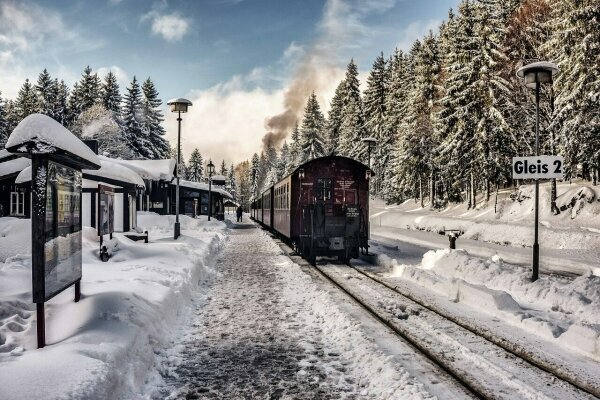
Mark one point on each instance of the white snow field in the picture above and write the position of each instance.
(569, 242)
(103, 346)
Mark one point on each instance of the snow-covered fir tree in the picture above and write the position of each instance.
(334, 120)
(374, 105)
(26, 102)
(295, 148)
(231, 181)
(61, 109)
(284, 161)
(133, 132)
(312, 131)
(397, 101)
(85, 93)
(352, 128)
(4, 133)
(196, 167)
(223, 168)
(47, 93)
(152, 118)
(111, 96)
(12, 115)
(254, 174)
(575, 46)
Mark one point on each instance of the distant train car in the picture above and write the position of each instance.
(322, 208)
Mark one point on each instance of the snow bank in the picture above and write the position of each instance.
(48, 136)
(15, 237)
(564, 311)
(101, 347)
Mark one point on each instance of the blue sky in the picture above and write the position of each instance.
(235, 59)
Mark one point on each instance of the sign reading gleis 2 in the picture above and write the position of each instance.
(537, 167)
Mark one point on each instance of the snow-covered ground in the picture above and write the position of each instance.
(102, 346)
(569, 242)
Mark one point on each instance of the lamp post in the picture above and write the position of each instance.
(534, 75)
(211, 171)
(370, 142)
(179, 106)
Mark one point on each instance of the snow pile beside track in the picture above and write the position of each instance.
(561, 310)
(101, 347)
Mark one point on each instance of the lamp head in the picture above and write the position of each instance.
(179, 104)
(541, 71)
(301, 173)
(368, 175)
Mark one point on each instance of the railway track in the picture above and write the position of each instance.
(485, 367)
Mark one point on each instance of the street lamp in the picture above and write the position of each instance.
(534, 75)
(179, 106)
(211, 171)
(370, 142)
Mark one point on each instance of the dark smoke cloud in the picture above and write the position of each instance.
(313, 74)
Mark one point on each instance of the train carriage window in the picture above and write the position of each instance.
(323, 189)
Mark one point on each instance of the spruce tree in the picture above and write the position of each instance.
(61, 109)
(295, 148)
(12, 116)
(231, 185)
(313, 127)
(47, 93)
(158, 146)
(284, 161)
(575, 46)
(334, 120)
(223, 169)
(254, 174)
(4, 133)
(352, 128)
(196, 167)
(111, 97)
(397, 101)
(26, 102)
(133, 132)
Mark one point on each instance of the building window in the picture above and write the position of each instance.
(323, 189)
(17, 203)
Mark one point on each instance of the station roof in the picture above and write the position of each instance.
(150, 169)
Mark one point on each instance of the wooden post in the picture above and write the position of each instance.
(77, 291)
(41, 325)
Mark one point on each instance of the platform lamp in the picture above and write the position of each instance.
(534, 75)
(179, 106)
(211, 171)
(370, 142)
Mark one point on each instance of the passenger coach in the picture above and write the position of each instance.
(321, 208)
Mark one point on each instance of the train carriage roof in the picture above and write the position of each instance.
(332, 158)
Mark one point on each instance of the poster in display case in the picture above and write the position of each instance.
(62, 248)
(106, 210)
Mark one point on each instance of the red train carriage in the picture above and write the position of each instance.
(322, 207)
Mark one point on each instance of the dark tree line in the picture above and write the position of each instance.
(128, 125)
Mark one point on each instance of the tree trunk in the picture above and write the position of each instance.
(496, 199)
(468, 195)
(421, 192)
(473, 191)
(487, 190)
(553, 196)
(431, 189)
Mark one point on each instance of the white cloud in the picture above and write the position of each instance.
(417, 30)
(122, 77)
(172, 27)
(29, 32)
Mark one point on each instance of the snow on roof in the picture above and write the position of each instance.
(111, 170)
(203, 186)
(219, 178)
(13, 166)
(24, 176)
(108, 170)
(48, 136)
(5, 154)
(150, 169)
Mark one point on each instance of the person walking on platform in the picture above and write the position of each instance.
(239, 212)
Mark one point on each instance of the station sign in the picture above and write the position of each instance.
(537, 167)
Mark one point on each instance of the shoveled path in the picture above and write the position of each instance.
(249, 338)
